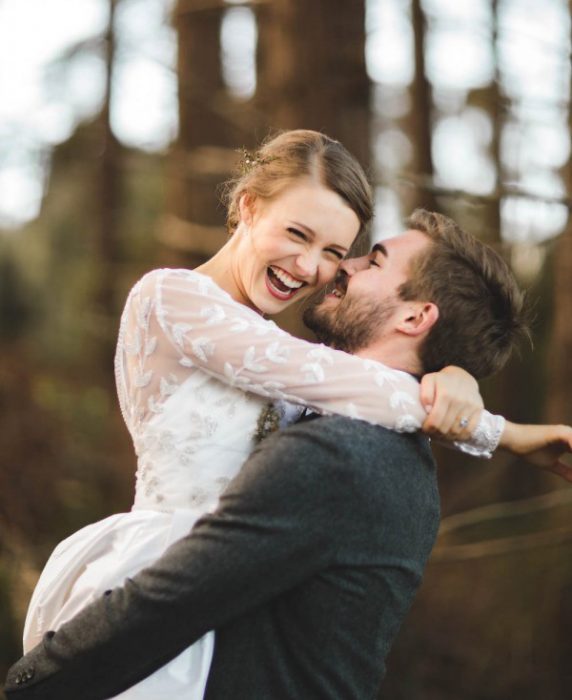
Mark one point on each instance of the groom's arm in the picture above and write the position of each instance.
(272, 530)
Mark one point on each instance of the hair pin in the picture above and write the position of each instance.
(249, 161)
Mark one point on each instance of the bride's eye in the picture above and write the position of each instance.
(335, 253)
(374, 263)
(299, 234)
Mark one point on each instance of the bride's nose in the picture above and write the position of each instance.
(307, 264)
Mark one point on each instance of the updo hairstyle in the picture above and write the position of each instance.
(295, 154)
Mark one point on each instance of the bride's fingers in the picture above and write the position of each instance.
(466, 424)
(444, 414)
(562, 469)
(450, 427)
(436, 420)
(452, 422)
(427, 391)
(436, 416)
(567, 437)
(461, 423)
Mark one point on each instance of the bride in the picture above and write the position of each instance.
(197, 364)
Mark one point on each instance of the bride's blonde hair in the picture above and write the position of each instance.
(291, 155)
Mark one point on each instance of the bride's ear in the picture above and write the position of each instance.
(419, 318)
(246, 208)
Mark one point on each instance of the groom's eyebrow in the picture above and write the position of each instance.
(380, 248)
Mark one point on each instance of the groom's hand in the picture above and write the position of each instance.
(548, 447)
(453, 403)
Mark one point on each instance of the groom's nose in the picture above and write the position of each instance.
(352, 265)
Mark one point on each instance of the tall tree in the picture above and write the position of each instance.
(312, 72)
(559, 405)
(496, 116)
(107, 207)
(421, 117)
(485, 221)
(204, 152)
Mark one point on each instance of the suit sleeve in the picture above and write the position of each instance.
(272, 530)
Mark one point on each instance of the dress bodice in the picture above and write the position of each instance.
(188, 452)
(194, 368)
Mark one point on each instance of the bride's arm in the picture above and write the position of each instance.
(547, 447)
(185, 321)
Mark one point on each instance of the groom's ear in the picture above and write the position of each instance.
(418, 318)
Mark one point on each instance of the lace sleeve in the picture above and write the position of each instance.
(184, 322)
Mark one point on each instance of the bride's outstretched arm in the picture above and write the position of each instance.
(547, 447)
(178, 320)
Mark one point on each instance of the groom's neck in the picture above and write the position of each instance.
(393, 355)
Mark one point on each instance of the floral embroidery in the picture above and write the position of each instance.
(179, 327)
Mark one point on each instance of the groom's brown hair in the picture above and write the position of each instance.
(481, 309)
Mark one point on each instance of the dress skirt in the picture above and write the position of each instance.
(101, 556)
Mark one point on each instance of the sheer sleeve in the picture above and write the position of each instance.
(178, 321)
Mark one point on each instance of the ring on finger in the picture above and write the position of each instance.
(463, 423)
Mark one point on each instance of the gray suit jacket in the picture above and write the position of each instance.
(305, 571)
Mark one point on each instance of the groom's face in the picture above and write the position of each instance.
(365, 303)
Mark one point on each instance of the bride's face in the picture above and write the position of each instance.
(291, 245)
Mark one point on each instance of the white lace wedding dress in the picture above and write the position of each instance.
(194, 369)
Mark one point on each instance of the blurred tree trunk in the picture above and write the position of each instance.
(204, 152)
(108, 189)
(485, 220)
(420, 124)
(493, 228)
(559, 404)
(315, 78)
(311, 70)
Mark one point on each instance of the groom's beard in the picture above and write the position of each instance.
(350, 325)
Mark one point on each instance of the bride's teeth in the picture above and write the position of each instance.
(285, 278)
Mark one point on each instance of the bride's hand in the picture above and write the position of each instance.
(453, 402)
(544, 446)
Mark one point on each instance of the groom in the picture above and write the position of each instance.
(313, 557)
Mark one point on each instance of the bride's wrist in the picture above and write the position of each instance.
(510, 437)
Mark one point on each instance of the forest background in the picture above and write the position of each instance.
(111, 157)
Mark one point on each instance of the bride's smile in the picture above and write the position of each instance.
(290, 246)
